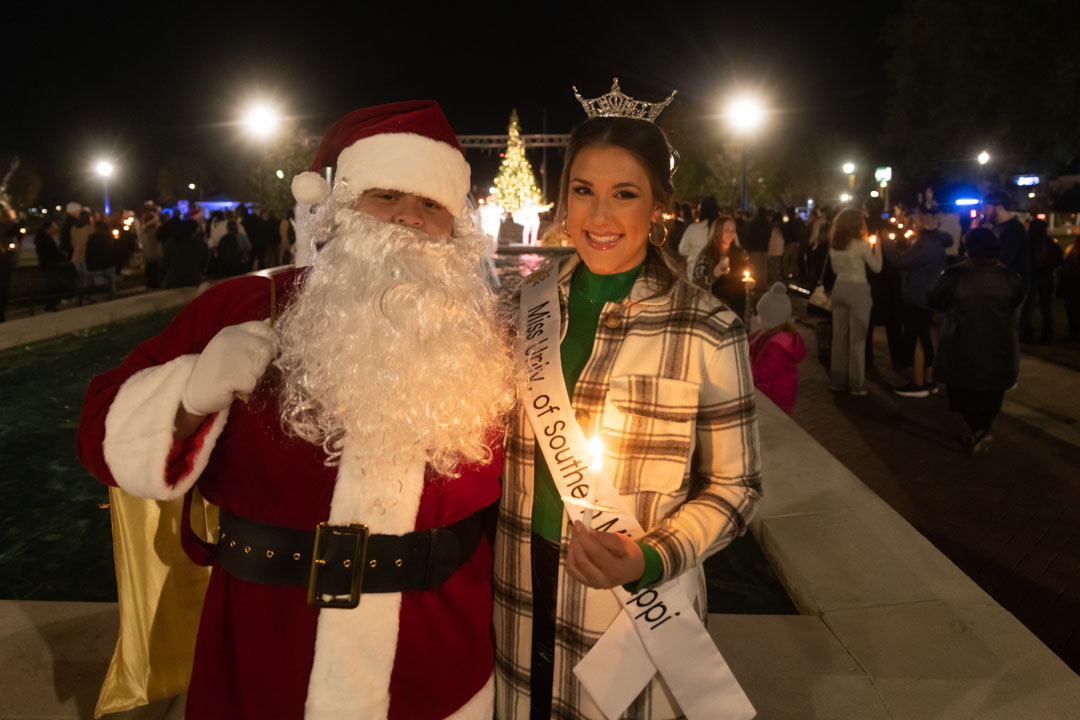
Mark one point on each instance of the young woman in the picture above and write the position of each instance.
(721, 264)
(659, 370)
(850, 254)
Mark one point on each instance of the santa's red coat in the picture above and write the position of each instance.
(257, 643)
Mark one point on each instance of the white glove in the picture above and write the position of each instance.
(232, 362)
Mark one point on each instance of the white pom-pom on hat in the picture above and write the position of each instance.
(309, 188)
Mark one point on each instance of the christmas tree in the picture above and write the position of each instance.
(515, 186)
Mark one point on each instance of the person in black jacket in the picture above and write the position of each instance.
(53, 263)
(1046, 257)
(184, 256)
(1070, 290)
(978, 355)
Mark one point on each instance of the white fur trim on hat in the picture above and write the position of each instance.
(351, 678)
(139, 431)
(409, 163)
(309, 188)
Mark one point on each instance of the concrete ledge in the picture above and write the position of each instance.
(55, 655)
(48, 325)
(928, 641)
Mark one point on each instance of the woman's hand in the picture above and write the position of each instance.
(717, 270)
(602, 560)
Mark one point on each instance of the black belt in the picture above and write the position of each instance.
(333, 561)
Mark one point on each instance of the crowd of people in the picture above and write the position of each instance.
(887, 269)
(86, 249)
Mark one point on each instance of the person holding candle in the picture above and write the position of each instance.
(850, 254)
(659, 370)
(723, 265)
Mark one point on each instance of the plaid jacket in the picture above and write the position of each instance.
(668, 387)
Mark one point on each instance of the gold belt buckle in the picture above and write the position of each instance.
(355, 565)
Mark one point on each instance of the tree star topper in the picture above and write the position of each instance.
(617, 104)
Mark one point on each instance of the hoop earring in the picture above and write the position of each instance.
(564, 231)
(652, 234)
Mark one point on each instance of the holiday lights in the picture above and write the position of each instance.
(515, 185)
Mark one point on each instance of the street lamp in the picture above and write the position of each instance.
(261, 120)
(849, 170)
(983, 157)
(745, 115)
(104, 169)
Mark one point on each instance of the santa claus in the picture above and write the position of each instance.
(350, 444)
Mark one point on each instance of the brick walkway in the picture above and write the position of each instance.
(1009, 517)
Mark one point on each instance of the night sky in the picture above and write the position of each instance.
(171, 81)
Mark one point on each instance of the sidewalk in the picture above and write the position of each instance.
(1008, 517)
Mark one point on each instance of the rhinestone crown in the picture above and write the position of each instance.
(617, 104)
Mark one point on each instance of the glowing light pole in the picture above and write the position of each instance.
(745, 115)
(104, 168)
(261, 120)
(849, 170)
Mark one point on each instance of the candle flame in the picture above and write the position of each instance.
(872, 239)
(597, 454)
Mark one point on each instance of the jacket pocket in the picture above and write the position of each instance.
(648, 426)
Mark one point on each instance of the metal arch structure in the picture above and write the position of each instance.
(535, 140)
(495, 142)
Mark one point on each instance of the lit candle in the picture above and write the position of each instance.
(594, 480)
(872, 239)
(746, 276)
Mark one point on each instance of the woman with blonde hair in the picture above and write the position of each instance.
(851, 252)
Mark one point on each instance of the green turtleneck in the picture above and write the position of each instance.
(588, 293)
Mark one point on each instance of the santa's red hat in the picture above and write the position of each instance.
(405, 146)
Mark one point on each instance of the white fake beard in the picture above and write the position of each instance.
(393, 342)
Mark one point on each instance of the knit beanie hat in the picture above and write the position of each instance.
(774, 307)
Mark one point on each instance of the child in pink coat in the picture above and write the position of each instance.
(776, 349)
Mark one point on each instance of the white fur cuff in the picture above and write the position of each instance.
(139, 431)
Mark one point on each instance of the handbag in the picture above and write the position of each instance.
(820, 302)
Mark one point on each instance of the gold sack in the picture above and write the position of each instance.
(160, 592)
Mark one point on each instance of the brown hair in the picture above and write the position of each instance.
(712, 248)
(650, 146)
(847, 226)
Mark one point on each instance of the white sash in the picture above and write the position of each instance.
(668, 636)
